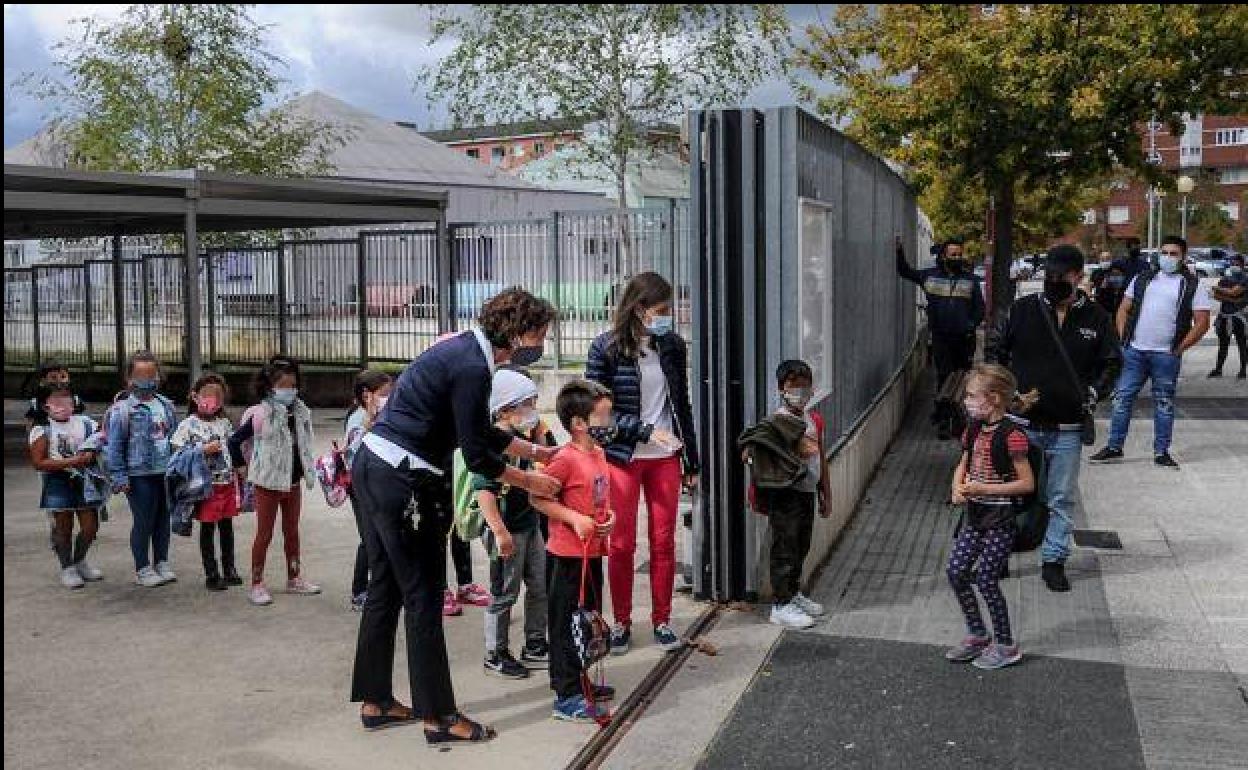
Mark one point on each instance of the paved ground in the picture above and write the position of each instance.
(1143, 664)
(115, 676)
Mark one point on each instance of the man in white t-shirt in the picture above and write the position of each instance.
(1163, 314)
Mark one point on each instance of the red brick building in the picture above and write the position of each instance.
(510, 145)
(1212, 148)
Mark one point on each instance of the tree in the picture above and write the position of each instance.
(1208, 224)
(1034, 95)
(176, 87)
(631, 66)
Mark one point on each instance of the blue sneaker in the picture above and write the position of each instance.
(666, 638)
(998, 656)
(620, 638)
(574, 709)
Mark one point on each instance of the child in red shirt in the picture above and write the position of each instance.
(580, 520)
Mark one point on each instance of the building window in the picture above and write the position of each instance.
(1234, 175)
(1089, 217)
(1119, 215)
(474, 153)
(518, 150)
(988, 10)
(496, 155)
(1230, 137)
(1231, 208)
(539, 149)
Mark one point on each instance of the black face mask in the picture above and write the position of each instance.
(603, 434)
(1057, 290)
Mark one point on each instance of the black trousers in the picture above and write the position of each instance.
(564, 592)
(407, 570)
(207, 549)
(950, 353)
(359, 574)
(1225, 327)
(461, 557)
(792, 516)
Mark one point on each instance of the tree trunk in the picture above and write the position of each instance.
(1001, 294)
(625, 232)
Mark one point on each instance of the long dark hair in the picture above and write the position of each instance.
(271, 373)
(367, 381)
(645, 290)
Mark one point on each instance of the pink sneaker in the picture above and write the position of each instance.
(259, 595)
(475, 595)
(300, 586)
(451, 605)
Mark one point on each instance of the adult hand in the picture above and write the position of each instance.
(666, 440)
(583, 526)
(506, 545)
(541, 485)
(604, 528)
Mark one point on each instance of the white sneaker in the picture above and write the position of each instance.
(259, 595)
(811, 608)
(148, 578)
(165, 570)
(71, 579)
(300, 586)
(87, 572)
(790, 616)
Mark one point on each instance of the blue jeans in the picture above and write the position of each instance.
(1061, 456)
(1137, 366)
(150, 508)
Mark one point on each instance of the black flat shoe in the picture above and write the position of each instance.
(480, 733)
(383, 720)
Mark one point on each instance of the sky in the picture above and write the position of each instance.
(366, 55)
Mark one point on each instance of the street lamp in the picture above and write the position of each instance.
(1185, 185)
(1160, 196)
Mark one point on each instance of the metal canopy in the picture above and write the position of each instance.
(42, 202)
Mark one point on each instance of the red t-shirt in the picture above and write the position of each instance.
(981, 468)
(586, 490)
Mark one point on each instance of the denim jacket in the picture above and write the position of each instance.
(132, 449)
(188, 481)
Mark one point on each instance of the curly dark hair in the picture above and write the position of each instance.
(272, 372)
(512, 313)
(206, 379)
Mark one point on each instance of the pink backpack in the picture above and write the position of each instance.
(335, 477)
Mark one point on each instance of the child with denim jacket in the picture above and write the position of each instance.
(138, 450)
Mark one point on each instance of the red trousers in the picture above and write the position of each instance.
(660, 479)
(267, 504)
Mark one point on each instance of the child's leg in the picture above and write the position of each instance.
(161, 526)
(226, 528)
(625, 497)
(661, 480)
(505, 578)
(291, 502)
(805, 528)
(207, 550)
(88, 527)
(62, 534)
(565, 667)
(266, 516)
(965, 550)
(461, 556)
(786, 516)
(997, 544)
(535, 602)
(143, 512)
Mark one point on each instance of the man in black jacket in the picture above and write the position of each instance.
(955, 308)
(1024, 342)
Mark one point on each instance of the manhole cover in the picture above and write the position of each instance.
(1098, 538)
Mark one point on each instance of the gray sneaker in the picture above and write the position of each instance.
(998, 656)
(970, 648)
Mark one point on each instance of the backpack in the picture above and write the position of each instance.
(1031, 511)
(335, 478)
(469, 521)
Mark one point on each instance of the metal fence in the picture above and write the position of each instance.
(347, 301)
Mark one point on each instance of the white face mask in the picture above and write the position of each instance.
(379, 404)
(977, 409)
(1169, 264)
(527, 422)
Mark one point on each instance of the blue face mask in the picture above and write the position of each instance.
(1169, 264)
(144, 388)
(660, 325)
(285, 396)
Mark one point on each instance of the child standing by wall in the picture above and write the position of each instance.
(786, 455)
(207, 426)
(139, 426)
(513, 540)
(988, 530)
(279, 429)
(581, 519)
(55, 443)
(371, 390)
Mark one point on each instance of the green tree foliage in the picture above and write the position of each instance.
(630, 66)
(176, 87)
(1029, 98)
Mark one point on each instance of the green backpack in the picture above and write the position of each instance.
(469, 521)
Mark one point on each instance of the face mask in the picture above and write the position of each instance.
(285, 396)
(144, 388)
(1057, 290)
(602, 434)
(660, 325)
(527, 355)
(60, 411)
(797, 398)
(379, 404)
(527, 423)
(208, 405)
(955, 265)
(977, 409)
(1169, 264)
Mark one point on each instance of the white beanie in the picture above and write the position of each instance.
(510, 388)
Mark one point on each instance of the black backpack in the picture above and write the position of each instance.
(1031, 511)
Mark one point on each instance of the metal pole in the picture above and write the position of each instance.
(86, 313)
(1148, 239)
(361, 296)
(210, 282)
(119, 306)
(447, 311)
(194, 351)
(145, 301)
(1184, 215)
(283, 322)
(556, 275)
(34, 312)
